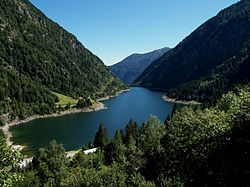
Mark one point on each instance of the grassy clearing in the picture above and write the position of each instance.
(64, 100)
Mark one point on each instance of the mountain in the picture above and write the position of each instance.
(210, 60)
(132, 66)
(38, 56)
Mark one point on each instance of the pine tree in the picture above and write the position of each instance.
(101, 137)
(115, 150)
(131, 130)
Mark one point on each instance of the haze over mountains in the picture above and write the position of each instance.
(38, 56)
(132, 66)
(207, 62)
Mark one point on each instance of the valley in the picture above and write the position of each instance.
(176, 116)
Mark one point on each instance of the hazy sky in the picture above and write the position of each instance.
(114, 29)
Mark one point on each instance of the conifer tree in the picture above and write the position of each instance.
(101, 137)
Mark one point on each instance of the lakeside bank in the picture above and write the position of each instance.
(6, 128)
(98, 106)
(171, 100)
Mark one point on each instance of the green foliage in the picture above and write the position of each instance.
(229, 160)
(50, 165)
(106, 176)
(9, 160)
(30, 180)
(187, 137)
(81, 103)
(1, 133)
(193, 137)
(90, 102)
(149, 143)
(151, 133)
(131, 130)
(88, 161)
(220, 79)
(38, 56)
(2, 122)
(194, 147)
(101, 137)
(22, 96)
(208, 61)
(115, 150)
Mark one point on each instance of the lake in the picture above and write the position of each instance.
(76, 130)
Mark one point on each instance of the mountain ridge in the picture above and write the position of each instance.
(49, 58)
(213, 43)
(133, 65)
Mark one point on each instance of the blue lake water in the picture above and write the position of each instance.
(76, 130)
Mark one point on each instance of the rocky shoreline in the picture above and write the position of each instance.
(171, 100)
(109, 97)
(8, 134)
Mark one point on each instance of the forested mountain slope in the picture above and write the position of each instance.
(215, 55)
(132, 66)
(38, 56)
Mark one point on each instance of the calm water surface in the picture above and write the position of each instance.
(75, 130)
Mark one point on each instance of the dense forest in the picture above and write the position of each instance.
(223, 77)
(37, 56)
(132, 66)
(195, 146)
(209, 61)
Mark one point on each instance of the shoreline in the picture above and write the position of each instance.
(98, 106)
(68, 154)
(8, 135)
(171, 100)
(111, 96)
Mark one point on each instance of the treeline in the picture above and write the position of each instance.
(193, 147)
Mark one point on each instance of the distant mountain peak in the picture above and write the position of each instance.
(132, 66)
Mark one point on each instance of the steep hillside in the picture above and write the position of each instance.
(234, 71)
(213, 56)
(132, 66)
(38, 56)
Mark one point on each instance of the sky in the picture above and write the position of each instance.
(114, 29)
